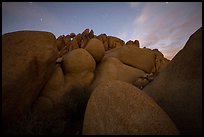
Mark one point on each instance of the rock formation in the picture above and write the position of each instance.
(28, 60)
(96, 49)
(113, 69)
(134, 56)
(47, 82)
(118, 108)
(178, 88)
(72, 35)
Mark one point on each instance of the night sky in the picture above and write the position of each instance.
(162, 25)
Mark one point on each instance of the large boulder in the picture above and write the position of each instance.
(78, 60)
(96, 48)
(66, 91)
(143, 59)
(78, 68)
(28, 60)
(60, 43)
(113, 69)
(60, 85)
(117, 108)
(178, 88)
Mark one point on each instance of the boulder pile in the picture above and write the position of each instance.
(88, 84)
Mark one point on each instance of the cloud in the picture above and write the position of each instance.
(141, 19)
(167, 26)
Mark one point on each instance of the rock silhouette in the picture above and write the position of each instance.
(178, 88)
(28, 60)
(48, 81)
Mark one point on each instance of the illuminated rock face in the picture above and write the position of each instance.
(96, 48)
(178, 88)
(119, 108)
(136, 57)
(113, 69)
(74, 72)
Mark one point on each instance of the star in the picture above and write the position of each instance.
(41, 19)
(166, 2)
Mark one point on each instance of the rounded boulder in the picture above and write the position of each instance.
(117, 107)
(96, 48)
(78, 60)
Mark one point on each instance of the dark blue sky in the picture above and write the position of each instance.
(163, 25)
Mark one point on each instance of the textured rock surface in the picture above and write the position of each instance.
(133, 43)
(143, 59)
(117, 108)
(53, 91)
(66, 92)
(113, 41)
(114, 69)
(77, 61)
(96, 48)
(178, 88)
(160, 61)
(60, 43)
(78, 37)
(75, 72)
(28, 60)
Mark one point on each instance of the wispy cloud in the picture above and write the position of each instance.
(141, 19)
(167, 26)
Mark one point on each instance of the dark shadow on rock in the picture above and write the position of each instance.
(64, 119)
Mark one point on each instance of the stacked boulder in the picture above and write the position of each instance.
(76, 71)
(133, 43)
(70, 69)
(114, 42)
(96, 49)
(81, 60)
